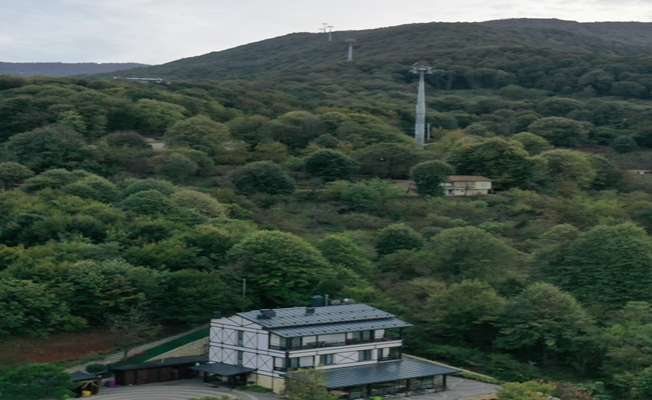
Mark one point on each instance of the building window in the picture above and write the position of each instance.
(363, 335)
(326, 359)
(290, 343)
(294, 363)
(279, 364)
(391, 353)
(239, 362)
(240, 338)
(364, 355)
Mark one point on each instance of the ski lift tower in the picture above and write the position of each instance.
(420, 126)
(351, 41)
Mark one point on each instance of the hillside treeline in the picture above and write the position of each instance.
(62, 69)
(291, 186)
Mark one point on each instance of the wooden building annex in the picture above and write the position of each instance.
(164, 370)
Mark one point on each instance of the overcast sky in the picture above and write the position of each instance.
(158, 31)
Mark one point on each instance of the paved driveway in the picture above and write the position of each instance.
(175, 390)
(194, 388)
(459, 388)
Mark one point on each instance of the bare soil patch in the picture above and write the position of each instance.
(60, 347)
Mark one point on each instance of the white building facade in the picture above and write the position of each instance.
(467, 185)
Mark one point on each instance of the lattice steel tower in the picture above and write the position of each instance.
(420, 126)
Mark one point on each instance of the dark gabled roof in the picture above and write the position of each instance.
(297, 316)
(83, 376)
(342, 327)
(468, 178)
(222, 369)
(382, 372)
(163, 363)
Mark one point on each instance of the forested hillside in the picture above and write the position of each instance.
(498, 45)
(279, 167)
(630, 32)
(62, 69)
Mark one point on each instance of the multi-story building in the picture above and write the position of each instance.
(357, 347)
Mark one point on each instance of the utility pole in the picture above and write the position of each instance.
(351, 41)
(420, 126)
(330, 32)
(324, 25)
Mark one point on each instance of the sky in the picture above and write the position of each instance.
(159, 31)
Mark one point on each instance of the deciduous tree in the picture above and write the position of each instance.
(389, 160)
(157, 115)
(12, 173)
(149, 202)
(465, 312)
(532, 143)
(397, 237)
(560, 131)
(543, 322)
(330, 165)
(176, 167)
(306, 384)
(93, 187)
(281, 269)
(199, 133)
(200, 202)
(505, 162)
(30, 309)
(470, 253)
(192, 295)
(36, 382)
(262, 177)
(54, 146)
(430, 176)
(609, 264)
(339, 249)
(567, 170)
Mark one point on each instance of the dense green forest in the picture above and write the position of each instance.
(62, 69)
(278, 168)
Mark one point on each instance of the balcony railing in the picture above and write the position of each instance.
(318, 345)
(382, 339)
(390, 357)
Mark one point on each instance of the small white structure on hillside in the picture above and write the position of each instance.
(467, 185)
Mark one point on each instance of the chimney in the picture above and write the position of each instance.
(266, 314)
(317, 301)
(310, 310)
